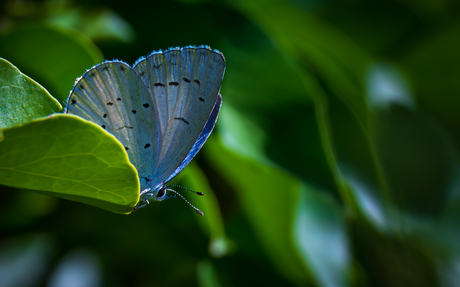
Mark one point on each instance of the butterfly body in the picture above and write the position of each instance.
(162, 109)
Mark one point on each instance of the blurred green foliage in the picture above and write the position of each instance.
(334, 161)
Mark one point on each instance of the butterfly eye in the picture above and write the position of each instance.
(161, 193)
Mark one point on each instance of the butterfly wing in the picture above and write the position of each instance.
(185, 86)
(201, 138)
(113, 96)
(162, 110)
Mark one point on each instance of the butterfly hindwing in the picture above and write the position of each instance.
(113, 96)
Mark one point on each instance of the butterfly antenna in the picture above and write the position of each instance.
(196, 209)
(196, 192)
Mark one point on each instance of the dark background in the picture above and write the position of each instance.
(334, 161)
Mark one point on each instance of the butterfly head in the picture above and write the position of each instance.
(159, 194)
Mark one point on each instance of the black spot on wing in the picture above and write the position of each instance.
(104, 116)
(182, 119)
(103, 126)
(142, 73)
(146, 105)
(82, 87)
(122, 68)
(159, 85)
(186, 80)
(134, 111)
(118, 99)
(198, 82)
(173, 83)
(73, 101)
(201, 99)
(109, 104)
(106, 68)
(147, 145)
(126, 148)
(92, 75)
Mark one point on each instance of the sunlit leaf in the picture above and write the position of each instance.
(70, 158)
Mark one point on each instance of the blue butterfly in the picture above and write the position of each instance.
(162, 110)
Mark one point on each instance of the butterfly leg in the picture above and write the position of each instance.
(144, 201)
(141, 204)
(147, 191)
(146, 195)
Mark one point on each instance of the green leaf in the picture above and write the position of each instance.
(318, 223)
(433, 65)
(207, 275)
(419, 159)
(68, 157)
(272, 84)
(268, 197)
(241, 135)
(323, 57)
(54, 57)
(33, 252)
(291, 219)
(315, 47)
(213, 223)
(395, 260)
(21, 98)
(99, 25)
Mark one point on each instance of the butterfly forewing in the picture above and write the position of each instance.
(113, 96)
(185, 84)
